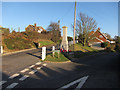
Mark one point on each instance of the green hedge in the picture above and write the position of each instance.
(18, 43)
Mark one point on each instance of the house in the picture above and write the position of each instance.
(97, 37)
(34, 27)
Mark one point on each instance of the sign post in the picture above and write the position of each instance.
(43, 53)
(53, 48)
(1, 49)
(39, 45)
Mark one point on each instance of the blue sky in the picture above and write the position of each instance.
(21, 14)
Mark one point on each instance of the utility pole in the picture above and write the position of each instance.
(74, 25)
(59, 24)
(18, 29)
(59, 31)
(11, 29)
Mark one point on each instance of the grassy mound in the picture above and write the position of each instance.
(61, 58)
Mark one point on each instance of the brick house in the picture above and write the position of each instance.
(35, 28)
(97, 37)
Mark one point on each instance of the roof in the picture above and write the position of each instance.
(90, 33)
(103, 34)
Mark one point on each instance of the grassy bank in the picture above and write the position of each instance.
(46, 43)
(80, 51)
(79, 47)
(19, 43)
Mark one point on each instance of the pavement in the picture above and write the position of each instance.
(8, 53)
(24, 70)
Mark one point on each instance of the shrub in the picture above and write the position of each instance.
(33, 35)
(18, 43)
(117, 48)
(104, 44)
(108, 49)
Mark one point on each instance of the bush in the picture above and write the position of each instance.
(18, 43)
(108, 49)
(33, 35)
(104, 44)
(117, 48)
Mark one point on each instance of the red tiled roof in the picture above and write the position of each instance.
(90, 33)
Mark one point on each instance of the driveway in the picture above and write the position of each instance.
(97, 46)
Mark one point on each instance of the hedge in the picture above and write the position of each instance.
(104, 44)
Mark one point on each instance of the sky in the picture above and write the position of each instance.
(21, 14)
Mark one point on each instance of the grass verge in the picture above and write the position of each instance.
(45, 43)
(61, 58)
(81, 51)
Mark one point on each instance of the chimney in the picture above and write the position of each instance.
(35, 27)
(35, 24)
(99, 29)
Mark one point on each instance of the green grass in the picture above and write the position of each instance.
(77, 48)
(81, 50)
(44, 43)
(61, 58)
(87, 48)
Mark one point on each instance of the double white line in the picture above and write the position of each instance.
(24, 77)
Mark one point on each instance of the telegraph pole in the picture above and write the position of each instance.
(74, 25)
(18, 29)
(58, 31)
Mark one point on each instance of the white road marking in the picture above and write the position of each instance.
(33, 71)
(13, 76)
(24, 77)
(44, 64)
(2, 82)
(82, 82)
(38, 63)
(83, 79)
(39, 67)
(31, 66)
(24, 70)
(12, 85)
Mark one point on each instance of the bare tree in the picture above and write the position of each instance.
(84, 26)
(117, 39)
(108, 36)
(54, 29)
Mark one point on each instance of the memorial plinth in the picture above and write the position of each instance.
(64, 44)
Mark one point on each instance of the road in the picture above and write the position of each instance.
(23, 70)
